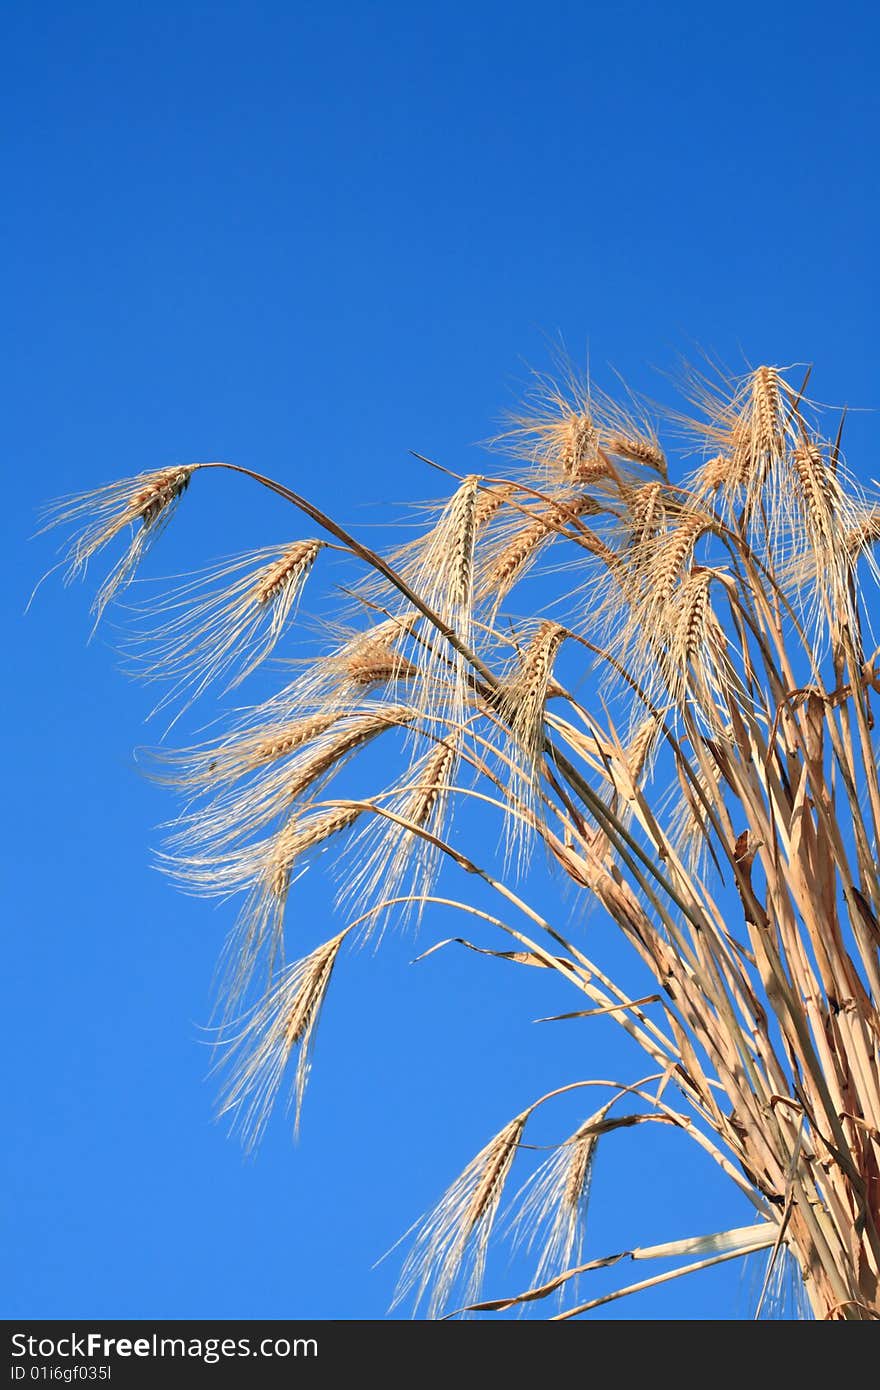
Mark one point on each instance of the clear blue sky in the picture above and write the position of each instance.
(311, 237)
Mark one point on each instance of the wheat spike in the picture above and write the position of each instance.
(492, 496)
(442, 571)
(464, 1217)
(339, 680)
(645, 515)
(223, 623)
(302, 833)
(270, 864)
(207, 766)
(695, 645)
(719, 473)
(524, 697)
(578, 458)
(557, 434)
(516, 548)
(691, 618)
(143, 503)
(511, 562)
(629, 767)
(392, 857)
(354, 733)
(212, 849)
(827, 521)
(259, 1047)
(675, 549)
(428, 788)
(287, 572)
(642, 605)
(553, 1201)
(627, 432)
(758, 434)
(749, 427)
(638, 449)
(376, 662)
(864, 533)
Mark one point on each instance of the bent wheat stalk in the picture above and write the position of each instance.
(716, 795)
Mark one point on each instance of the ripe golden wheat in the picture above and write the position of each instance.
(728, 747)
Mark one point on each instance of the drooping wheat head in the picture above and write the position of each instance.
(143, 505)
(222, 623)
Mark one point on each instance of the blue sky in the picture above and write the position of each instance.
(310, 238)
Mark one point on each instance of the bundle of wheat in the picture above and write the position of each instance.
(724, 620)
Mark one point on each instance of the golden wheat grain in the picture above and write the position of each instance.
(369, 657)
(720, 472)
(691, 618)
(645, 514)
(511, 555)
(642, 745)
(762, 421)
(640, 611)
(580, 1158)
(441, 570)
(827, 516)
(674, 550)
(259, 749)
(558, 435)
(579, 460)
